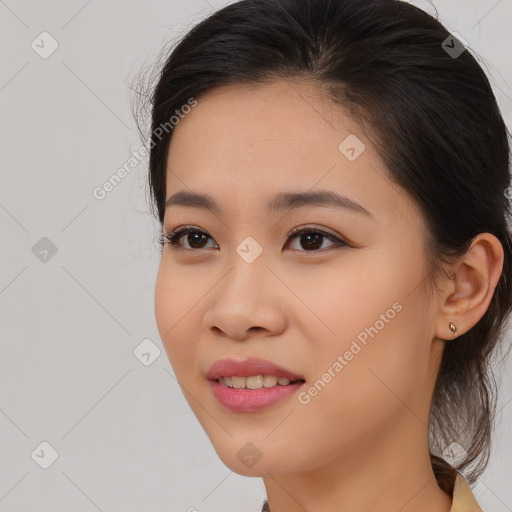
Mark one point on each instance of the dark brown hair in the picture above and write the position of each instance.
(436, 124)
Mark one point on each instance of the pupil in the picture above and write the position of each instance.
(198, 235)
(315, 237)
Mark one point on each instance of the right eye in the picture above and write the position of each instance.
(173, 238)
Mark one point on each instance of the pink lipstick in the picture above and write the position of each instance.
(251, 384)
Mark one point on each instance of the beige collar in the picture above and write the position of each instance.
(463, 498)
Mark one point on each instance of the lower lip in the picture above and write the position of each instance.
(251, 399)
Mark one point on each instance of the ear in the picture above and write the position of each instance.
(467, 293)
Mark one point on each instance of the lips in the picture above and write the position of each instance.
(245, 368)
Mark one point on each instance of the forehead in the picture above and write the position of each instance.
(245, 143)
(248, 126)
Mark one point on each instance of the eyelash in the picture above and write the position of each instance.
(173, 238)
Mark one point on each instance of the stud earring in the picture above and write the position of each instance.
(453, 328)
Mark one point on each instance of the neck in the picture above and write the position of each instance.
(388, 475)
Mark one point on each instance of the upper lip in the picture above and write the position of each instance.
(247, 367)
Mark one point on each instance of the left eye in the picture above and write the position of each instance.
(312, 238)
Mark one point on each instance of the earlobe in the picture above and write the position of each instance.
(469, 290)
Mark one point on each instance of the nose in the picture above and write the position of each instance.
(246, 303)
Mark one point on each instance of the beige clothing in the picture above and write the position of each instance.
(463, 498)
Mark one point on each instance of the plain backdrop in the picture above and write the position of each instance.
(77, 273)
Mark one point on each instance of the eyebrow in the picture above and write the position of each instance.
(280, 202)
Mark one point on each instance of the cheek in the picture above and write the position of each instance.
(369, 338)
(373, 386)
(175, 321)
(347, 301)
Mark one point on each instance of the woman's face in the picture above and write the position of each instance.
(348, 315)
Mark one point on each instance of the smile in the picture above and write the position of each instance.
(255, 381)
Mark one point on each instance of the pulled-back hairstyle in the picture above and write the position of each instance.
(434, 120)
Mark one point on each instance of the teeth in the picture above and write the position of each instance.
(238, 382)
(269, 381)
(254, 381)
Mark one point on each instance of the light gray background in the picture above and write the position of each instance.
(125, 437)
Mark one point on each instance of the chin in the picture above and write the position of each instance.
(260, 469)
(247, 459)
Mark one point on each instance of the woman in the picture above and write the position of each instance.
(331, 178)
